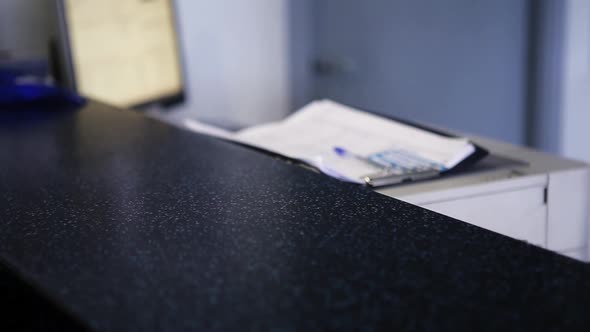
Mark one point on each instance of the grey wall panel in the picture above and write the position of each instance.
(457, 63)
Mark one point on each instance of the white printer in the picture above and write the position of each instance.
(515, 191)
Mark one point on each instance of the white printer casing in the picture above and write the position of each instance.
(515, 191)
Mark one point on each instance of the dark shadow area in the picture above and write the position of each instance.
(23, 309)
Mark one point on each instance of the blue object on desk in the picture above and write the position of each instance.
(15, 96)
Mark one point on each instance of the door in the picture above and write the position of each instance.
(459, 64)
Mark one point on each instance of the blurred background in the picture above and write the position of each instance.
(513, 70)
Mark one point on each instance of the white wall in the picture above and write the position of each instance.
(575, 111)
(25, 26)
(235, 52)
(236, 60)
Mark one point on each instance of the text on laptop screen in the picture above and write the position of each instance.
(124, 52)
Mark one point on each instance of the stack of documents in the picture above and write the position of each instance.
(352, 145)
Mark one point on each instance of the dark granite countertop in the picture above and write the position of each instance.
(128, 224)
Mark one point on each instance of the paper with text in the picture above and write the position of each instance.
(349, 144)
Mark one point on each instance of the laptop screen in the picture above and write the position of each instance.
(123, 52)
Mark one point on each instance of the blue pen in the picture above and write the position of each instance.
(342, 152)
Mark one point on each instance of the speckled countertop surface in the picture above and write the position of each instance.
(129, 224)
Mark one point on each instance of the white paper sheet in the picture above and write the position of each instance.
(318, 133)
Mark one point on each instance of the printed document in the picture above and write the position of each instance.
(350, 144)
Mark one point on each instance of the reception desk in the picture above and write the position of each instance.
(119, 222)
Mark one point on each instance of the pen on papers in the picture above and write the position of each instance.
(342, 152)
(384, 179)
(388, 175)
